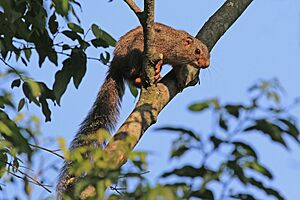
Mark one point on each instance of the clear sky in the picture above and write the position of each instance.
(263, 43)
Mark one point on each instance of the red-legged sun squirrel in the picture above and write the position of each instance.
(178, 49)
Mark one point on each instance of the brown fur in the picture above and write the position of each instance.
(177, 47)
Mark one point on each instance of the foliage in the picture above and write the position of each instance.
(19, 131)
(33, 26)
(43, 33)
(238, 160)
(226, 160)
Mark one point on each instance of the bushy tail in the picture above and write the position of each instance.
(105, 111)
(104, 114)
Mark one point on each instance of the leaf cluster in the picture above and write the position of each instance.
(43, 33)
(32, 27)
(227, 165)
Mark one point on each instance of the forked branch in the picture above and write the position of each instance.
(151, 102)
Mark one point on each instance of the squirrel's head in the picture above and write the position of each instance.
(196, 53)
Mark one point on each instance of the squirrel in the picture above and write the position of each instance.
(178, 49)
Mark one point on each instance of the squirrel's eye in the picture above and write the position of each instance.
(197, 51)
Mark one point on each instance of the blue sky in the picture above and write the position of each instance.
(263, 43)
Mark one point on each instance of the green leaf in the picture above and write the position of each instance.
(16, 164)
(72, 35)
(52, 55)
(179, 151)
(45, 109)
(75, 28)
(35, 88)
(105, 59)
(202, 194)
(44, 47)
(31, 91)
(27, 54)
(182, 131)
(237, 171)
(158, 192)
(292, 130)
(62, 79)
(73, 67)
(187, 171)
(243, 196)
(234, 110)
(21, 104)
(254, 165)
(3, 161)
(259, 185)
(62, 7)
(274, 96)
(13, 135)
(244, 149)
(6, 99)
(53, 24)
(18, 54)
(84, 45)
(27, 187)
(99, 42)
(65, 47)
(5, 129)
(197, 107)
(99, 33)
(270, 129)
(16, 83)
(46, 92)
(167, 193)
(78, 62)
(223, 123)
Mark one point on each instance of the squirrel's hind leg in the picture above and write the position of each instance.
(134, 72)
(157, 77)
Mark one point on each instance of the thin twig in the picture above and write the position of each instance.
(20, 177)
(135, 9)
(48, 150)
(14, 69)
(125, 176)
(89, 58)
(33, 180)
(114, 188)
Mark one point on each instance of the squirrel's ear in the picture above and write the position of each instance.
(188, 41)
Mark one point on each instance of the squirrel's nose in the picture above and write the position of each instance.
(206, 64)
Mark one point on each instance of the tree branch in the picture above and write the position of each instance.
(48, 150)
(221, 21)
(138, 12)
(150, 56)
(146, 19)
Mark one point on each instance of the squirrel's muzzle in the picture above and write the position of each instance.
(205, 64)
(202, 63)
